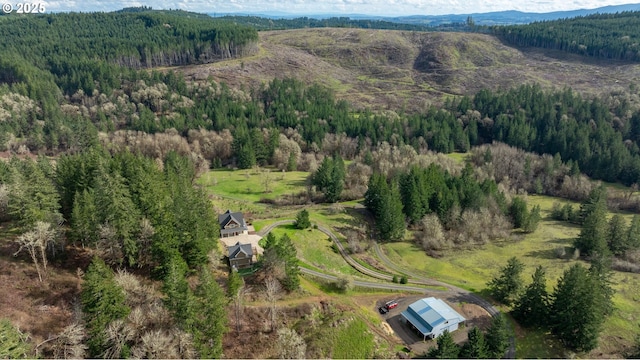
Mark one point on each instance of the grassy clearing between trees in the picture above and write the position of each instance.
(314, 248)
(473, 268)
(249, 184)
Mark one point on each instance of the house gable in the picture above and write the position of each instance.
(240, 251)
(231, 224)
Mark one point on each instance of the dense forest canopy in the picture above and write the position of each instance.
(87, 50)
(606, 36)
(140, 39)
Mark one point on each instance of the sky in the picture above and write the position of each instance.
(368, 7)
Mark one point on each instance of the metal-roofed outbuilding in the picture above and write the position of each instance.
(431, 317)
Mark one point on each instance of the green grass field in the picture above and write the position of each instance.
(314, 248)
(249, 185)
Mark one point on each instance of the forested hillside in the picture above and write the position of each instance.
(262, 23)
(605, 36)
(86, 51)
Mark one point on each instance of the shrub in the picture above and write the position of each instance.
(344, 283)
(302, 220)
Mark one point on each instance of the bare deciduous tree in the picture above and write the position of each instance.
(238, 302)
(291, 344)
(36, 243)
(117, 334)
(286, 147)
(108, 246)
(145, 237)
(69, 343)
(431, 235)
(160, 344)
(272, 290)
(266, 179)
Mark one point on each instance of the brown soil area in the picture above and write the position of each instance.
(39, 309)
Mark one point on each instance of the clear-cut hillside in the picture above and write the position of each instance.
(387, 69)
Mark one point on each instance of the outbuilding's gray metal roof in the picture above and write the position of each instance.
(425, 314)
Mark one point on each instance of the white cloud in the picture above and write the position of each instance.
(373, 7)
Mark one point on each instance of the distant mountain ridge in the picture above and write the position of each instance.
(509, 17)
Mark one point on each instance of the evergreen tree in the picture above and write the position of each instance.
(601, 275)
(14, 344)
(302, 220)
(593, 235)
(633, 234)
(103, 301)
(32, 197)
(292, 162)
(288, 253)
(519, 212)
(329, 178)
(475, 347)
(179, 300)
(390, 220)
(532, 308)
(116, 209)
(576, 315)
(532, 220)
(234, 283)
(322, 177)
(246, 156)
(377, 187)
(336, 184)
(270, 241)
(84, 218)
(597, 197)
(507, 286)
(210, 322)
(497, 337)
(617, 239)
(446, 349)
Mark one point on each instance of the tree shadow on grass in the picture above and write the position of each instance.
(558, 249)
(297, 183)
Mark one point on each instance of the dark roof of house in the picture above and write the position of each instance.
(224, 219)
(237, 248)
(426, 314)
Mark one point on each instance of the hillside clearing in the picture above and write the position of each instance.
(394, 70)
